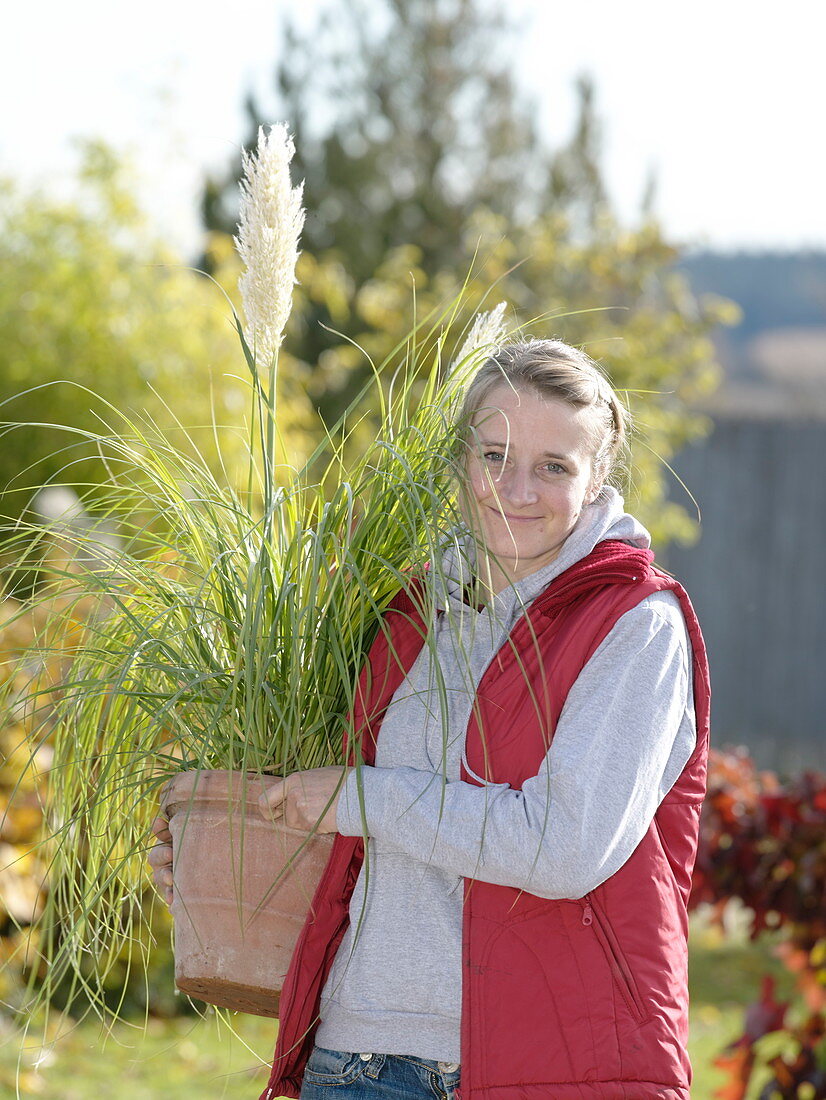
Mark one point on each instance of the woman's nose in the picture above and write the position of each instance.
(517, 487)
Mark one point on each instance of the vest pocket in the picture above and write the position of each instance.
(593, 917)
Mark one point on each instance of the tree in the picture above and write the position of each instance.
(421, 159)
(423, 123)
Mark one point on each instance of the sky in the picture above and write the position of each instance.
(722, 99)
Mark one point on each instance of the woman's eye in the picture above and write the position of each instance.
(494, 457)
(554, 468)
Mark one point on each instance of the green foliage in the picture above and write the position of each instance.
(422, 123)
(230, 635)
(408, 121)
(94, 310)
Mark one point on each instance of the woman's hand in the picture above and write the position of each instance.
(305, 800)
(160, 858)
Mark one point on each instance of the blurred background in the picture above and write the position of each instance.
(669, 142)
(655, 165)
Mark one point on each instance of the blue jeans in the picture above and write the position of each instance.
(344, 1076)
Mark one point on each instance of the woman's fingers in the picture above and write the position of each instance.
(160, 829)
(271, 803)
(305, 800)
(160, 860)
(160, 856)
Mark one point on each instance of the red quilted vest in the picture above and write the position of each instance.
(572, 1000)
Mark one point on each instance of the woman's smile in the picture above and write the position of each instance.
(511, 518)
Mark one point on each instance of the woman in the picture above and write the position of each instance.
(535, 764)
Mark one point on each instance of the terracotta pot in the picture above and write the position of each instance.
(242, 889)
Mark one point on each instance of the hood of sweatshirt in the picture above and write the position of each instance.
(605, 518)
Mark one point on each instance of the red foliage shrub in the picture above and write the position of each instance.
(763, 841)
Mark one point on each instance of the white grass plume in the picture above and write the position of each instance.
(485, 336)
(269, 227)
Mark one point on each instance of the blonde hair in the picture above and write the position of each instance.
(553, 369)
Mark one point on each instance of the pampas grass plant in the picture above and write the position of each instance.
(229, 629)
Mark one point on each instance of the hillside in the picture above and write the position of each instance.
(775, 359)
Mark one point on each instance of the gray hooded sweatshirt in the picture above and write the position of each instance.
(624, 735)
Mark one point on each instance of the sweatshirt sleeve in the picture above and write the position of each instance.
(625, 733)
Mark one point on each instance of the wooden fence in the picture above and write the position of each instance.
(757, 578)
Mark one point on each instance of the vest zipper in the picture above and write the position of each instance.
(592, 917)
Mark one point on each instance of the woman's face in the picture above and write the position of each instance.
(529, 473)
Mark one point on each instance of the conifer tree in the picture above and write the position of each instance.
(420, 152)
(407, 118)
